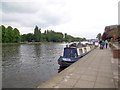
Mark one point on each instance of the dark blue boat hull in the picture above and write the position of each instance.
(64, 63)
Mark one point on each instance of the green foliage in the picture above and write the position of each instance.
(37, 34)
(16, 35)
(3, 29)
(99, 36)
(23, 38)
(27, 37)
(0, 34)
(10, 35)
(69, 38)
(52, 36)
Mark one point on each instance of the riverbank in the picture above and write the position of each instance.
(21, 43)
(98, 69)
(30, 43)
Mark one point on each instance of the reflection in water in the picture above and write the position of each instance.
(9, 55)
(27, 66)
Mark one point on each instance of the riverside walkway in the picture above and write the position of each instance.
(98, 69)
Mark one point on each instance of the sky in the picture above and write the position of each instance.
(79, 18)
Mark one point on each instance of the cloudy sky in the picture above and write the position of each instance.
(80, 18)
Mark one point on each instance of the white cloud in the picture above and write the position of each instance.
(89, 17)
(83, 18)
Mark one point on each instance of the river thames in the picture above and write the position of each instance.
(27, 66)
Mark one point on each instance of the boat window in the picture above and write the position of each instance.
(80, 50)
(85, 50)
(70, 52)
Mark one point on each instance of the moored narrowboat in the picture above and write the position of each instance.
(73, 53)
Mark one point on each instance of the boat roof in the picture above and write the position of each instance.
(74, 45)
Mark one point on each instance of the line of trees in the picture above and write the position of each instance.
(12, 35)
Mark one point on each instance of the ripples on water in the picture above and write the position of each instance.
(27, 66)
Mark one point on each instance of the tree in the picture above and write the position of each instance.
(65, 38)
(23, 38)
(43, 37)
(48, 36)
(29, 37)
(9, 35)
(45, 32)
(99, 36)
(57, 37)
(65, 35)
(3, 29)
(37, 34)
(12, 35)
(16, 35)
(0, 34)
(83, 39)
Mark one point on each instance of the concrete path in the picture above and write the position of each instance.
(98, 69)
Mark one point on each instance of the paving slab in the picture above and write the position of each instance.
(98, 69)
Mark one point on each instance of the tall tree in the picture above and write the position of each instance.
(9, 35)
(3, 29)
(48, 37)
(0, 34)
(99, 36)
(37, 34)
(16, 35)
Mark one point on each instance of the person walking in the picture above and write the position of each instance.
(100, 44)
(103, 44)
(106, 43)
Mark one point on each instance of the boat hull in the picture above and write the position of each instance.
(64, 63)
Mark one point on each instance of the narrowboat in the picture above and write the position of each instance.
(73, 53)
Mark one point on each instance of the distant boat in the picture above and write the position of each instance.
(73, 52)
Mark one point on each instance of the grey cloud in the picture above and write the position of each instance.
(31, 20)
(29, 14)
(18, 7)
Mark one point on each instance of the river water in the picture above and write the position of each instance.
(27, 66)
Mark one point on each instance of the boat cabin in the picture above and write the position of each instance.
(70, 52)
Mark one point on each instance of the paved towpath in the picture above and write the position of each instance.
(98, 69)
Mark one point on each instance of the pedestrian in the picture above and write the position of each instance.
(103, 44)
(100, 43)
(106, 43)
